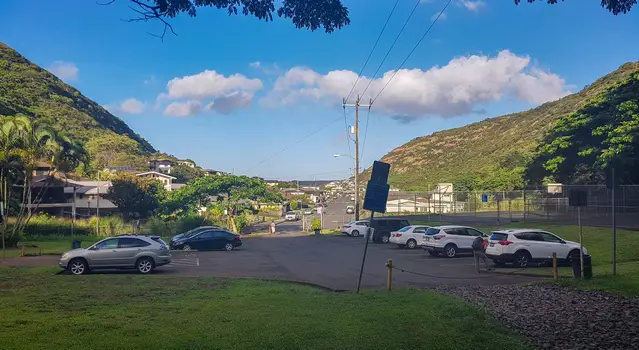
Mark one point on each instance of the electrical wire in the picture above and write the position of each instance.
(368, 114)
(392, 46)
(293, 144)
(413, 50)
(348, 138)
(361, 71)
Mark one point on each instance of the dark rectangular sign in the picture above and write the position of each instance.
(578, 198)
(376, 197)
(379, 175)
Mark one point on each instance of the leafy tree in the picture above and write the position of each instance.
(184, 173)
(309, 14)
(582, 146)
(614, 6)
(111, 149)
(136, 197)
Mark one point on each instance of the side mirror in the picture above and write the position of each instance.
(93, 248)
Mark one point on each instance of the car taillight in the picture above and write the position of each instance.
(438, 237)
(347, 226)
(398, 235)
(505, 242)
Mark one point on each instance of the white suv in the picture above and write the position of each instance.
(355, 228)
(523, 246)
(450, 240)
(291, 216)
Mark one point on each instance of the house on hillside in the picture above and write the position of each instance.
(186, 163)
(208, 172)
(161, 165)
(167, 180)
(42, 169)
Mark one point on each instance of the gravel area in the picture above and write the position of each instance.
(555, 317)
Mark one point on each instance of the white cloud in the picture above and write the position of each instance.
(454, 89)
(183, 109)
(268, 69)
(255, 64)
(434, 16)
(229, 103)
(209, 84)
(128, 106)
(471, 5)
(64, 70)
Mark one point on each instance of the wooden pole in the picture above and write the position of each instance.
(554, 267)
(389, 282)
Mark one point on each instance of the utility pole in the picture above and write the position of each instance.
(357, 105)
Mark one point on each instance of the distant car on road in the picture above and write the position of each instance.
(355, 228)
(382, 228)
(216, 238)
(140, 252)
(450, 240)
(309, 211)
(409, 236)
(291, 216)
(350, 209)
(523, 246)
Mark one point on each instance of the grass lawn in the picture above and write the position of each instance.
(43, 310)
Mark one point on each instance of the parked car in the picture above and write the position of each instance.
(291, 216)
(355, 228)
(350, 209)
(450, 240)
(191, 233)
(382, 228)
(408, 236)
(309, 211)
(140, 252)
(523, 246)
(216, 238)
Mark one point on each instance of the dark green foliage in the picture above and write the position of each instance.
(184, 173)
(494, 154)
(614, 6)
(32, 91)
(136, 197)
(583, 145)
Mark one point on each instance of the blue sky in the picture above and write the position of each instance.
(225, 111)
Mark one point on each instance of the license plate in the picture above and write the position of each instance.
(427, 238)
(492, 244)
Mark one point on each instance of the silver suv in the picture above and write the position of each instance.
(140, 252)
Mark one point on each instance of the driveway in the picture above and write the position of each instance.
(329, 261)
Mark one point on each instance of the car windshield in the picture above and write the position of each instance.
(404, 229)
(291, 213)
(431, 231)
(497, 236)
(192, 232)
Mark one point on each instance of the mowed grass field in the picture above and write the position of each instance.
(42, 310)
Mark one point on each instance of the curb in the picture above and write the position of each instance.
(525, 274)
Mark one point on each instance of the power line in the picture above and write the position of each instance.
(413, 50)
(392, 45)
(372, 50)
(365, 133)
(294, 143)
(348, 138)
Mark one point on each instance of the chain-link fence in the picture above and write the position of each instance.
(547, 203)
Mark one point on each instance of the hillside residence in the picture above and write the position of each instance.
(208, 172)
(161, 165)
(272, 183)
(186, 163)
(42, 169)
(167, 180)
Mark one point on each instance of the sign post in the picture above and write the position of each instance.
(578, 198)
(375, 200)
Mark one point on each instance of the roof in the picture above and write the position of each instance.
(520, 230)
(155, 173)
(451, 226)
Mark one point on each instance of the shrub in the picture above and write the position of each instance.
(316, 224)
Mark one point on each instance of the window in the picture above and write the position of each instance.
(456, 231)
(132, 243)
(111, 243)
(419, 230)
(220, 234)
(547, 237)
(473, 232)
(403, 223)
(205, 235)
(381, 223)
(404, 229)
(529, 236)
(497, 236)
(431, 231)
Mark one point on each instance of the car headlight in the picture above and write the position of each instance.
(65, 256)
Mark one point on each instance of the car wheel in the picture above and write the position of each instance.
(450, 250)
(145, 265)
(432, 253)
(411, 244)
(186, 247)
(572, 256)
(228, 247)
(499, 262)
(354, 233)
(522, 259)
(78, 266)
(385, 239)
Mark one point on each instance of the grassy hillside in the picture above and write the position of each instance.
(28, 89)
(502, 145)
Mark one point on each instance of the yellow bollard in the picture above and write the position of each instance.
(389, 283)
(554, 267)
(22, 251)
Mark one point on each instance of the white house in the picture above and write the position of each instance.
(167, 180)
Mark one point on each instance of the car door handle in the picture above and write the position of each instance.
(114, 250)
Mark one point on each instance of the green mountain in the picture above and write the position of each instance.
(30, 90)
(494, 153)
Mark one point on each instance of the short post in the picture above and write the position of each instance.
(554, 267)
(389, 265)
(22, 251)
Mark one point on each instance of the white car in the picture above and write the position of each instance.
(355, 228)
(450, 240)
(291, 216)
(408, 236)
(523, 246)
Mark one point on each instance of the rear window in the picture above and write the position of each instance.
(159, 240)
(496, 236)
(431, 231)
(291, 213)
(404, 229)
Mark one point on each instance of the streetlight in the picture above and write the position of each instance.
(342, 155)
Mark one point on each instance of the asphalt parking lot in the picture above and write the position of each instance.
(333, 262)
